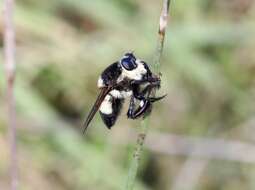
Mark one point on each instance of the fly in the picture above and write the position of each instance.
(128, 77)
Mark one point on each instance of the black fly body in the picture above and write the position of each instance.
(129, 77)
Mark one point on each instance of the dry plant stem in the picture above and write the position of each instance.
(136, 157)
(145, 123)
(9, 61)
(161, 37)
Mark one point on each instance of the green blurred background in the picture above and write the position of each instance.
(208, 69)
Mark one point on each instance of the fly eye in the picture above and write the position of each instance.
(128, 63)
(129, 55)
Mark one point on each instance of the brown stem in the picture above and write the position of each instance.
(145, 123)
(9, 64)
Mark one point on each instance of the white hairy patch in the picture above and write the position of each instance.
(100, 82)
(116, 93)
(135, 74)
(120, 78)
(120, 94)
(141, 103)
(106, 106)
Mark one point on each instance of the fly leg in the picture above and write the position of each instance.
(143, 96)
(144, 108)
(131, 108)
(150, 79)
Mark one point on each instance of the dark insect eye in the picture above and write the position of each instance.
(128, 63)
(129, 55)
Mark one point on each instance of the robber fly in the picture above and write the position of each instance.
(128, 77)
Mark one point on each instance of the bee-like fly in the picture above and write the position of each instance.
(129, 77)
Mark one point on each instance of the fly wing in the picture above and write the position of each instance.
(104, 91)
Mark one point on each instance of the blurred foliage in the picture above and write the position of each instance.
(62, 46)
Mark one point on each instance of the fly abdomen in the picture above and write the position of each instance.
(110, 110)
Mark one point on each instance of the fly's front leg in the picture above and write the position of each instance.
(140, 95)
(151, 81)
(155, 80)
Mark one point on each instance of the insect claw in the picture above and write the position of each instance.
(157, 98)
(153, 80)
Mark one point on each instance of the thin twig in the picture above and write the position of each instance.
(9, 61)
(145, 123)
(136, 157)
(163, 20)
